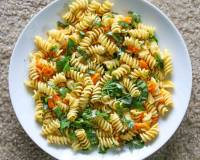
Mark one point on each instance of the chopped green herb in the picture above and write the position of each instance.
(62, 24)
(70, 46)
(82, 34)
(126, 100)
(97, 21)
(123, 24)
(113, 89)
(54, 48)
(92, 136)
(128, 122)
(91, 72)
(136, 143)
(103, 150)
(154, 38)
(63, 64)
(64, 124)
(136, 18)
(82, 53)
(160, 62)
(72, 135)
(139, 101)
(63, 91)
(116, 36)
(87, 114)
(103, 114)
(58, 112)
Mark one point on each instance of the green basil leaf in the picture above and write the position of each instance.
(82, 34)
(64, 124)
(123, 24)
(63, 91)
(70, 46)
(136, 143)
(160, 62)
(58, 112)
(154, 38)
(103, 150)
(54, 48)
(104, 115)
(128, 122)
(87, 114)
(91, 135)
(62, 24)
(63, 64)
(136, 18)
(126, 100)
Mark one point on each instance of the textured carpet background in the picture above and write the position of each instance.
(16, 145)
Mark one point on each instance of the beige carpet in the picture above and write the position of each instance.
(16, 145)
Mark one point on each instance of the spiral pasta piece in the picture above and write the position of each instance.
(85, 22)
(105, 7)
(130, 41)
(78, 5)
(139, 73)
(51, 127)
(111, 64)
(82, 139)
(58, 78)
(116, 123)
(121, 71)
(42, 87)
(42, 44)
(126, 58)
(130, 86)
(110, 46)
(103, 124)
(139, 33)
(148, 58)
(77, 76)
(62, 140)
(150, 134)
(39, 113)
(96, 49)
(167, 63)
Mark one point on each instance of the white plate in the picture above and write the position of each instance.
(168, 36)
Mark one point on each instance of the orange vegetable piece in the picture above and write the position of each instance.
(95, 78)
(151, 86)
(127, 19)
(56, 98)
(51, 103)
(106, 28)
(133, 49)
(143, 64)
(138, 126)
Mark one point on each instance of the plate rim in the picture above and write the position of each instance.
(149, 5)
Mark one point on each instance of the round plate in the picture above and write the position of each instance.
(168, 37)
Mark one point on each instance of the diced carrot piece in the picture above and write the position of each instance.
(56, 98)
(151, 86)
(127, 19)
(51, 103)
(143, 64)
(133, 49)
(106, 28)
(95, 78)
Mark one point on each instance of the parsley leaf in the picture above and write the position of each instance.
(136, 18)
(116, 36)
(63, 64)
(91, 135)
(123, 24)
(82, 34)
(154, 38)
(58, 112)
(54, 48)
(136, 143)
(87, 114)
(160, 62)
(103, 115)
(126, 100)
(113, 89)
(62, 24)
(128, 122)
(63, 91)
(70, 46)
(64, 123)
